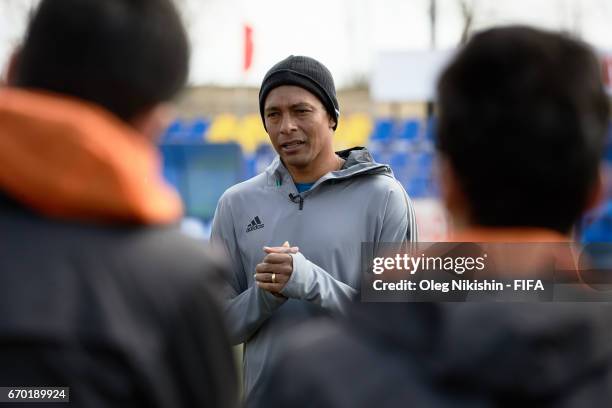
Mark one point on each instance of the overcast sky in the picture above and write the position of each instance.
(346, 35)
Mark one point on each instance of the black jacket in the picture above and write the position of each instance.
(449, 355)
(122, 315)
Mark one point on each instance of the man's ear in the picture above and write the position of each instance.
(332, 122)
(152, 122)
(10, 76)
(452, 193)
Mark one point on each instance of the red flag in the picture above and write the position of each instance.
(607, 70)
(248, 47)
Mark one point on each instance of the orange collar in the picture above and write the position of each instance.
(69, 159)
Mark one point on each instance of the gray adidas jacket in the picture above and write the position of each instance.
(362, 202)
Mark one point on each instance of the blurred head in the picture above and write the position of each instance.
(522, 121)
(129, 56)
(298, 105)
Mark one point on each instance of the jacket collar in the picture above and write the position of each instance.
(69, 159)
(358, 161)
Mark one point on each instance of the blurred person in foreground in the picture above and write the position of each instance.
(522, 119)
(322, 202)
(99, 291)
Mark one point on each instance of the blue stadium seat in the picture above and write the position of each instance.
(399, 160)
(383, 131)
(174, 129)
(423, 164)
(400, 163)
(407, 139)
(419, 187)
(198, 129)
(186, 132)
(409, 130)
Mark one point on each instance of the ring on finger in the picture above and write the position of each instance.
(273, 278)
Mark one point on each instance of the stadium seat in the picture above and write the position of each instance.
(425, 162)
(184, 131)
(400, 163)
(409, 129)
(172, 131)
(251, 133)
(408, 135)
(352, 131)
(361, 126)
(381, 137)
(223, 129)
(383, 131)
(198, 129)
(419, 187)
(342, 135)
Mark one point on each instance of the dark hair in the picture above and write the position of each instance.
(125, 55)
(522, 119)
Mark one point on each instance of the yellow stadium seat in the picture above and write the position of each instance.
(223, 129)
(352, 131)
(251, 133)
(342, 136)
(361, 127)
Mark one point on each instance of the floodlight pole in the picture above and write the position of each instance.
(432, 19)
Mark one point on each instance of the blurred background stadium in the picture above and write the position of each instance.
(385, 56)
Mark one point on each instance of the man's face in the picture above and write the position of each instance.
(299, 127)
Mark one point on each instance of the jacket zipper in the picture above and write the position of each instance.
(298, 199)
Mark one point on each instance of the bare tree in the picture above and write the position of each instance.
(467, 12)
(433, 19)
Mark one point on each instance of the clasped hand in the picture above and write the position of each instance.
(274, 271)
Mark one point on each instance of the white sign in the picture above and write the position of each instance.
(407, 76)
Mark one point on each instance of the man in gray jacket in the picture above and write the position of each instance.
(324, 203)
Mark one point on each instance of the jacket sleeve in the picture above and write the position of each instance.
(246, 307)
(312, 283)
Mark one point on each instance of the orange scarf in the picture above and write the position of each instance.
(72, 160)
